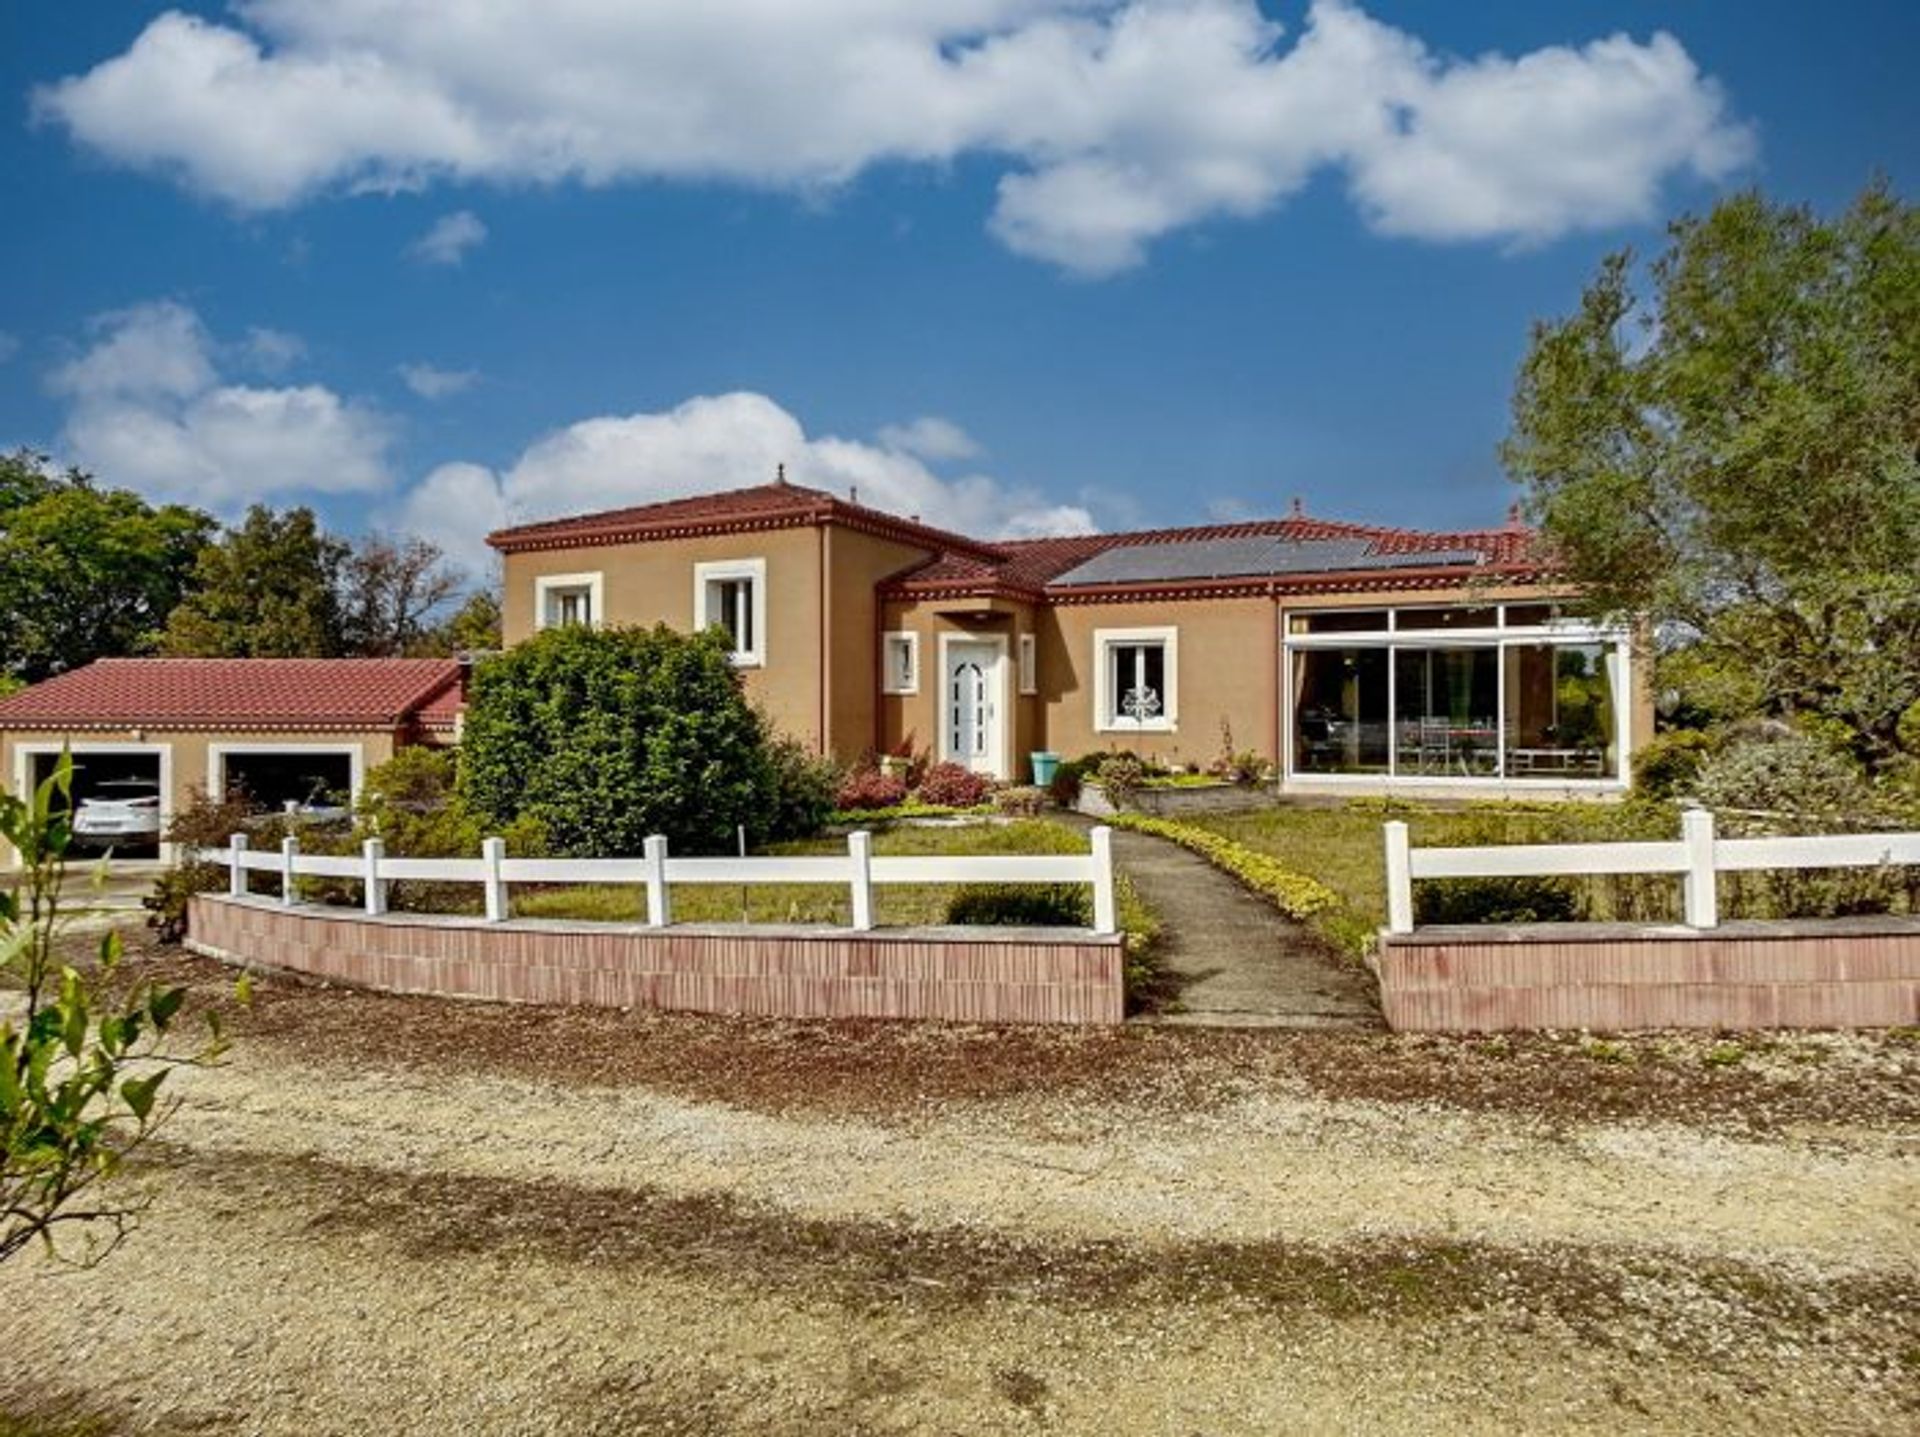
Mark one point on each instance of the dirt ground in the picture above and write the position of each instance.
(387, 1214)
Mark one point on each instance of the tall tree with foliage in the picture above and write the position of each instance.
(85, 572)
(270, 588)
(83, 1053)
(390, 590)
(604, 736)
(1737, 455)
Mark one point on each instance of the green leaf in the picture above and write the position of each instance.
(139, 1093)
(164, 1005)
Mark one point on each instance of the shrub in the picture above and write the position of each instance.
(1121, 775)
(805, 790)
(605, 736)
(949, 785)
(1020, 802)
(1022, 905)
(1496, 900)
(1770, 775)
(1064, 787)
(203, 822)
(1667, 764)
(867, 789)
(412, 804)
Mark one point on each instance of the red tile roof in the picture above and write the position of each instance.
(236, 694)
(764, 506)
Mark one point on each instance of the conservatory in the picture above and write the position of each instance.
(1464, 697)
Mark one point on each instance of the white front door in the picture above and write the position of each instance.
(971, 697)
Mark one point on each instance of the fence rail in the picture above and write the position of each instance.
(1697, 858)
(857, 870)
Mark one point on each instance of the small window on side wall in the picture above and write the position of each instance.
(900, 663)
(1029, 665)
(732, 595)
(560, 600)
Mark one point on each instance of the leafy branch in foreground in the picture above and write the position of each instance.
(83, 1056)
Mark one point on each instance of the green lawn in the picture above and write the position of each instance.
(1343, 847)
(895, 905)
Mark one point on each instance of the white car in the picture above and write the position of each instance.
(120, 813)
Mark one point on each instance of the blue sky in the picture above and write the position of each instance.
(1018, 264)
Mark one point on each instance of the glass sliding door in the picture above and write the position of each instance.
(1446, 712)
(1340, 719)
(1561, 712)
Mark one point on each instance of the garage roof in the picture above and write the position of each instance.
(235, 694)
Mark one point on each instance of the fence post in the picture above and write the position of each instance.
(492, 850)
(236, 866)
(860, 851)
(289, 858)
(659, 904)
(1106, 909)
(373, 850)
(1699, 888)
(1399, 878)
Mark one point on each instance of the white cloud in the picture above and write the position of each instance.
(714, 442)
(149, 410)
(272, 351)
(429, 381)
(1118, 121)
(931, 438)
(450, 238)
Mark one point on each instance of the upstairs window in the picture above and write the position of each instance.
(1138, 679)
(562, 599)
(900, 663)
(732, 595)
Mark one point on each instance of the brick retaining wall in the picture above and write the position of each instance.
(974, 975)
(1806, 973)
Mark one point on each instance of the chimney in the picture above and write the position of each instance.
(1298, 509)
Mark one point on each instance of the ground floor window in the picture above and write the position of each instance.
(1137, 680)
(1543, 707)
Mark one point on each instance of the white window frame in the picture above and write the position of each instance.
(1029, 665)
(1104, 719)
(546, 586)
(1393, 639)
(723, 570)
(890, 682)
(217, 754)
(25, 751)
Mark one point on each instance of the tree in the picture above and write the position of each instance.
(1738, 457)
(80, 1074)
(270, 588)
(473, 627)
(604, 736)
(390, 588)
(85, 572)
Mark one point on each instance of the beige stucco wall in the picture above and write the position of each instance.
(652, 583)
(186, 759)
(857, 563)
(913, 720)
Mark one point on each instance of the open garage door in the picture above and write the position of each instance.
(316, 782)
(118, 799)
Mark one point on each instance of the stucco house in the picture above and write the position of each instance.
(285, 730)
(1362, 659)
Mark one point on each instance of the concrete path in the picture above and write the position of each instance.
(1234, 961)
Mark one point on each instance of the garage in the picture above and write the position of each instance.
(118, 794)
(314, 779)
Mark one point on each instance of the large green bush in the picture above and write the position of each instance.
(604, 736)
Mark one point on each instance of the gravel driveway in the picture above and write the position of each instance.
(405, 1215)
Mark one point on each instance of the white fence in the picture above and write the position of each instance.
(857, 870)
(1697, 858)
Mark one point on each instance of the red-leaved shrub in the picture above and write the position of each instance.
(948, 785)
(869, 788)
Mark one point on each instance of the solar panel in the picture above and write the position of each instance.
(1247, 557)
